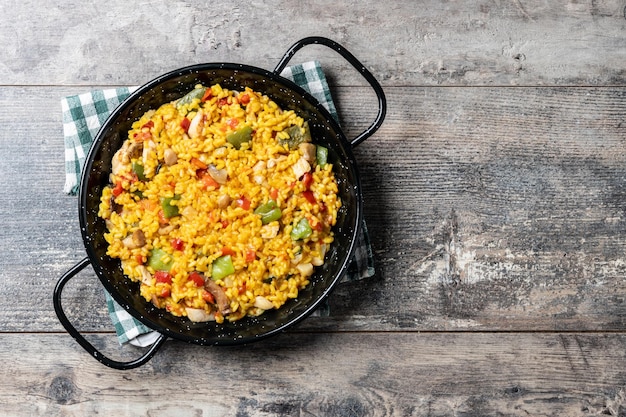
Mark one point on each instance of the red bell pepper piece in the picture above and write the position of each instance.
(163, 276)
(243, 202)
(207, 95)
(185, 123)
(227, 251)
(208, 297)
(244, 99)
(197, 279)
(118, 189)
(177, 244)
(307, 179)
(308, 194)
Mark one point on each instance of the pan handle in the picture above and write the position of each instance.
(82, 341)
(318, 40)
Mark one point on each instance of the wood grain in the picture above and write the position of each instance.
(429, 43)
(372, 375)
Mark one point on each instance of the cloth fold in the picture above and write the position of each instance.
(85, 113)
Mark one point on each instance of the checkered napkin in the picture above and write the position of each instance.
(84, 114)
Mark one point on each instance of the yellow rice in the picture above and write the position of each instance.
(267, 268)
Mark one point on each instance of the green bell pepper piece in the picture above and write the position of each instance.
(138, 170)
(169, 209)
(297, 135)
(240, 136)
(269, 212)
(222, 267)
(196, 93)
(159, 260)
(301, 230)
(321, 156)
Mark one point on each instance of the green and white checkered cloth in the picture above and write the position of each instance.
(84, 114)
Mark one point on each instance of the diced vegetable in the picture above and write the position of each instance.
(207, 95)
(301, 230)
(269, 212)
(227, 251)
(297, 135)
(240, 136)
(169, 210)
(222, 267)
(138, 170)
(198, 164)
(185, 124)
(243, 202)
(197, 279)
(308, 194)
(196, 93)
(322, 156)
(163, 276)
(244, 99)
(207, 180)
(177, 244)
(159, 260)
(118, 189)
(208, 297)
(307, 180)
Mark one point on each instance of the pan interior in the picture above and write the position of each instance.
(170, 87)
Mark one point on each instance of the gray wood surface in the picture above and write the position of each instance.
(494, 192)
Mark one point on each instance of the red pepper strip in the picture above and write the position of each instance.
(207, 95)
(308, 194)
(118, 189)
(307, 179)
(198, 163)
(197, 279)
(250, 255)
(149, 125)
(208, 297)
(185, 124)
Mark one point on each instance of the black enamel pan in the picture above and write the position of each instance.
(172, 86)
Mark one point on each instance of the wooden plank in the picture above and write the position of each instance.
(518, 224)
(433, 43)
(372, 374)
(489, 208)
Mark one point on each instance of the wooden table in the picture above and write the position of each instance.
(495, 195)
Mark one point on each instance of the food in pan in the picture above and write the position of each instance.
(220, 205)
